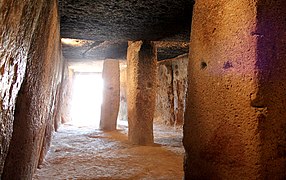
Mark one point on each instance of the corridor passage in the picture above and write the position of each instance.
(86, 153)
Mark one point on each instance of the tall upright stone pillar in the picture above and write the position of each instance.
(111, 95)
(235, 120)
(141, 91)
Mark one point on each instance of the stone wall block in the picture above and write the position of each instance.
(269, 101)
(35, 103)
(18, 21)
(111, 95)
(123, 116)
(171, 91)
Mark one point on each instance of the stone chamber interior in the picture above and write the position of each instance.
(154, 89)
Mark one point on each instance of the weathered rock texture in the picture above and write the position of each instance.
(180, 84)
(164, 112)
(123, 92)
(18, 23)
(235, 116)
(141, 91)
(111, 95)
(65, 96)
(55, 108)
(125, 20)
(35, 106)
(270, 100)
(171, 91)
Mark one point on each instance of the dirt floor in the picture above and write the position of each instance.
(86, 153)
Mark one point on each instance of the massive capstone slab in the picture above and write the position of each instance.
(126, 19)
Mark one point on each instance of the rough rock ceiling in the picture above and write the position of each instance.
(125, 19)
(108, 25)
(94, 50)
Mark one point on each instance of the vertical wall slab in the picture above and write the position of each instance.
(123, 92)
(18, 21)
(270, 99)
(141, 91)
(64, 114)
(54, 119)
(180, 75)
(111, 95)
(36, 99)
(171, 90)
(164, 109)
(235, 116)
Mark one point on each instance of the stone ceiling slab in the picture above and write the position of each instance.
(126, 19)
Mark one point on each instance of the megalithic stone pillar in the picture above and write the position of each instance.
(235, 120)
(141, 91)
(111, 95)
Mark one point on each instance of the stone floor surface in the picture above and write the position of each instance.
(84, 153)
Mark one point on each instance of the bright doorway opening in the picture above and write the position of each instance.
(87, 99)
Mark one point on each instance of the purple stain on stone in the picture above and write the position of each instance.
(227, 65)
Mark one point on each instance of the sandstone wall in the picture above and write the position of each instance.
(58, 108)
(235, 116)
(111, 94)
(171, 91)
(164, 112)
(64, 114)
(123, 90)
(270, 99)
(30, 36)
(19, 20)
